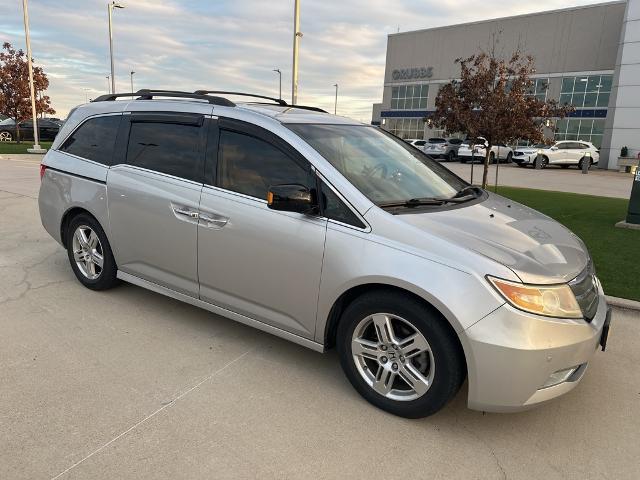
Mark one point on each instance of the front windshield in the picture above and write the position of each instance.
(381, 166)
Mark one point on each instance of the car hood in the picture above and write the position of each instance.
(537, 248)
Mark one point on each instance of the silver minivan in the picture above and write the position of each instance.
(326, 232)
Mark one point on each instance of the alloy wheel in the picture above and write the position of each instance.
(87, 252)
(393, 357)
(5, 137)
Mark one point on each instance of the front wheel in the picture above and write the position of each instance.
(5, 136)
(582, 160)
(400, 355)
(509, 157)
(451, 156)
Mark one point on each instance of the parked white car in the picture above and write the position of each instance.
(416, 142)
(500, 152)
(563, 154)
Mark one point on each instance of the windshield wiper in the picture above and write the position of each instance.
(469, 190)
(464, 195)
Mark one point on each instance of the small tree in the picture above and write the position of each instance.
(491, 100)
(15, 96)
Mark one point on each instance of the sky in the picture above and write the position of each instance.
(233, 44)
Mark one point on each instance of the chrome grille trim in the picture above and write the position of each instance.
(585, 289)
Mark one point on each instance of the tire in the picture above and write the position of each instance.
(440, 363)
(451, 156)
(492, 157)
(545, 162)
(582, 161)
(509, 157)
(85, 251)
(6, 136)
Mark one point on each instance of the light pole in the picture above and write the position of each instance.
(335, 104)
(108, 77)
(277, 70)
(296, 41)
(36, 145)
(131, 75)
(86, 95)
(110, 7)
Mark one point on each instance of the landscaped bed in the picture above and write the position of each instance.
(615, 251)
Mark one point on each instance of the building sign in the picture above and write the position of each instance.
(412, 73)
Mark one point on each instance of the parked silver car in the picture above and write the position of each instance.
(441, 148)
(327, 232)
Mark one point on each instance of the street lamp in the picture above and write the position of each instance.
(335, 103)
(277, 70)
(86, 95)
(297, 34)
(131, 76)
(110, 7)
(36, 145)
(108, 77)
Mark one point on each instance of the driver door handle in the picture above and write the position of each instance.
(213, 220)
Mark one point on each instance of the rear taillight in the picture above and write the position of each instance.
(43, 169)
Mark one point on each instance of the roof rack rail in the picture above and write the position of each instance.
(279, 101)
(146, 94)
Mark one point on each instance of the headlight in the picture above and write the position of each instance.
(549, 300)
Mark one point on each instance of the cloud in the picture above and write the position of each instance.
(233, 45)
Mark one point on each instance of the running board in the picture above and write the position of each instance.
(278, 332)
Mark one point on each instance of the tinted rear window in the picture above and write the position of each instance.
(95, 139)
(437, 140)
(169, 148)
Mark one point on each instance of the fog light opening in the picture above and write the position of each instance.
(558, 377)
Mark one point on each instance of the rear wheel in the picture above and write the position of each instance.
(399, 354)
(90, 253)
(451, 156)
(509, 157)
(5, 136)
(545, 162)
(492, 157)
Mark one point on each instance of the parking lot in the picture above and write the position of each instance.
(130, 384)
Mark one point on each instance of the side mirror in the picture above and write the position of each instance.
(292, 198)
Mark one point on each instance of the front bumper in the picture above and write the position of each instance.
(512, 354)
(527, 159)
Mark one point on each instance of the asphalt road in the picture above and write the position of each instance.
(130, 384)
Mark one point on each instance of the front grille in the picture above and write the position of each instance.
(517, 154)
(585, 289)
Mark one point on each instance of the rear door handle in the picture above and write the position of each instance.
(212, 220)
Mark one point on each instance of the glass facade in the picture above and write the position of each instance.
(589, 91)
(409, 97)
(539, 88)
(588, 129)
(406, 127)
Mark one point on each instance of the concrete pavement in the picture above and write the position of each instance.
(130, 384)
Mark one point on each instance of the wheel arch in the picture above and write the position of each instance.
(68, 215)
(349, 295)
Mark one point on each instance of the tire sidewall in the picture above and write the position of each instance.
(449, 369)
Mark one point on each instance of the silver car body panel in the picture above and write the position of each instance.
(284, 272)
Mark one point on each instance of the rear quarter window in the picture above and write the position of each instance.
(94, 140)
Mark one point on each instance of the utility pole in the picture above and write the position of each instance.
(108, 77)
(110, 7)
(296, 40)
(277, 70)
(36, 144)
(335, 104)
(131, 75)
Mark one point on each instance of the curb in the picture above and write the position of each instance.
(623, 303)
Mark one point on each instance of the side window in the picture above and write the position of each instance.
(95, 139)
(335, 209)
(170, 148)
(249, 165)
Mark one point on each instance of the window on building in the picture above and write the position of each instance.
(409, 97)
(587, 129)
(539, 88)
(587, 91)
(406, 127)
